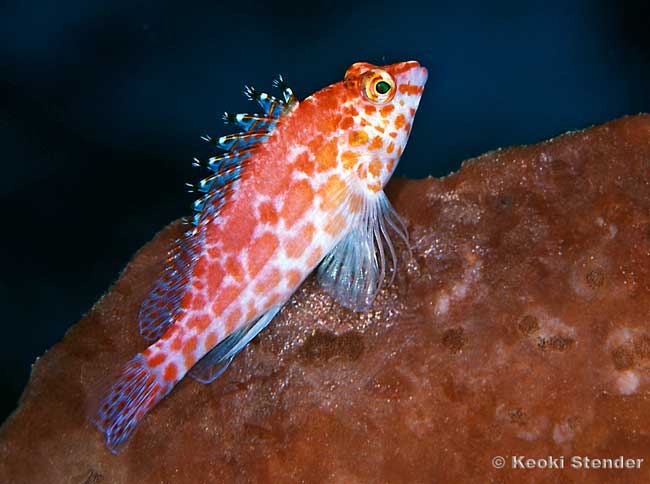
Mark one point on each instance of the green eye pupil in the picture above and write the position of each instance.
(382, 87)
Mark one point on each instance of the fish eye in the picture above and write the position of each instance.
(378, 86)
(382, 87)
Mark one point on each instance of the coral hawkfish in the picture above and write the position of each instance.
(301, 186)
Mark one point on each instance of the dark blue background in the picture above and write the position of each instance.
(104, 101)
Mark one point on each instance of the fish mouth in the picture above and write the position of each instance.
(412, 73)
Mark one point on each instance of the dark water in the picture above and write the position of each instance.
(104, 103)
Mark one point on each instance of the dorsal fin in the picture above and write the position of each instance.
(162, 306)
(226, 168)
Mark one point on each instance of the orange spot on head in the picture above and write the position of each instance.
(386, 110)
(390, 147)
(156, 359)
(233, 319)
(226, 296)
(358, 138)
(268, 214)
(298, 199)
(326, 156)
(349, 159)
(170, 372)
(377, 143)
(400, 121)
(332, 193)
(293, 278)
(370, 109)
(294, 247)
(210, 340)
(374, 167)
(259, 253)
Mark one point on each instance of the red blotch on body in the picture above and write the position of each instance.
(314, 257)
(233, 319)
(200, 267)
(268, 214)
(198, 322)
(295, 247)
(332, 193)
(293, 278)
(251, 313)
(215, 277)
(210, 340)
(198, 302)
(177, 343)
(298, 199)
(226, 296)
(260, 252)
(238, 234)
(304, 163)
(347, 123)
(170, 372)
(234, 268)
(335, 225)
(156, 359)
(326, 156)
(269, 282)
(188, 351)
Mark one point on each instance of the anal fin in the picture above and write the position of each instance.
(216, 361)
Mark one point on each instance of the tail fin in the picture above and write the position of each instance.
(136, 391)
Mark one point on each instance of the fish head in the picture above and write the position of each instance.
(384, 100)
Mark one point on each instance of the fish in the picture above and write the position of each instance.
(299, 189)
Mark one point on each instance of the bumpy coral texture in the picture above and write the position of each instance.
(518, 326)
